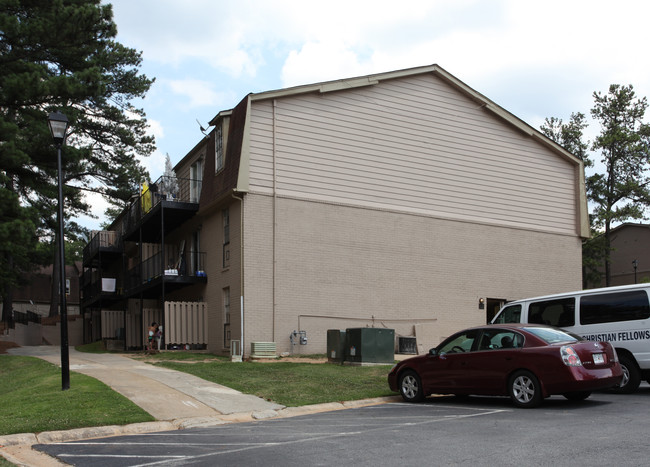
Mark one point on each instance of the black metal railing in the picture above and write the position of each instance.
(174, 266)
(92, 285)
(173, 189)
(25, 317)
(102, 239)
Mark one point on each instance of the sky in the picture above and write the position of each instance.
(535, 59)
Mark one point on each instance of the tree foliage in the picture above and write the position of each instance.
(622, 191)
(619, 189)
(62, 55)
(569, 135)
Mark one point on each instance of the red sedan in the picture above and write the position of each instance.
(527, 362)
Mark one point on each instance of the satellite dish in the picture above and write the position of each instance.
(203, 130)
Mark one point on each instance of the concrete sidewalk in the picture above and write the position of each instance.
(176, 400)
(165, 394)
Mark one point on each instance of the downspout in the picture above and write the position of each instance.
(139, 278)
(274, 209)
(162, 268)
(241, 270)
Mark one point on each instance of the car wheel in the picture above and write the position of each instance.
(631, 376)
(410, 386)
(525, 390)
(577, 396)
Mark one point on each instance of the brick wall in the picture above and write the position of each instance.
(340, 266)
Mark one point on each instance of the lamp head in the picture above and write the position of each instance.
(58, 125)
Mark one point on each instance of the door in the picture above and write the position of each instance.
(496, 355)
(447, 370)
(492, 307)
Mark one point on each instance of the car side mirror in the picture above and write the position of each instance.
(433, 352)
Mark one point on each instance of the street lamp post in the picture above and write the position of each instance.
(58, 125)
(635, 264)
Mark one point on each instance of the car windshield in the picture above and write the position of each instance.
(553, 336)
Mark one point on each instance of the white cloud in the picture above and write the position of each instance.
(320, 62)
(155, 164)
(98, 207)
(535, 59)
(155, 128)
(198, 93)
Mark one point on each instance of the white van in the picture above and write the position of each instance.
(620, 315)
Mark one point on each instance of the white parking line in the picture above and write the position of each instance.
(117, 456)
(330, 436)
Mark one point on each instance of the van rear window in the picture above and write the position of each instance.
(613, 307)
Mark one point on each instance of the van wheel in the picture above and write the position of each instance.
(525, 390)
(631, 376)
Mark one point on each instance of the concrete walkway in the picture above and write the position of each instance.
(176, 400)
(165, 394)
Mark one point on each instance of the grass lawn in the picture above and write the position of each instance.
(31, 399)
(287, 383)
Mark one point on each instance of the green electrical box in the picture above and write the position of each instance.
(335, 345)
(370, 345)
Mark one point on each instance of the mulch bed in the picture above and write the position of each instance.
(7, 345)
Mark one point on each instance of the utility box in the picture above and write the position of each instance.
(370, 345)
(335, 345)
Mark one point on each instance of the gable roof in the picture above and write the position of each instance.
(370, 80)
(240, 144)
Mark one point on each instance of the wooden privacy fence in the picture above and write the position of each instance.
(112, 321)
(186, 323)
(137, 327)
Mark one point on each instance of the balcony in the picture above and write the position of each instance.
(96, 288)
(107, 244)
(160, 208)
(171, 272)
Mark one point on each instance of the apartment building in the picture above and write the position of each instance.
(405, 200)
(630, 255)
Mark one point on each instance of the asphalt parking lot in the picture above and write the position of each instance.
(606, 429)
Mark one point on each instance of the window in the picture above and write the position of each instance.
(226, 317)
(459, 343)
(494, 339)
(510, 314)
(613, 307)
(226, 237)
(67, 286)
(560, 312)
(196, 178)
(554, 336)
(218, 148)
(226, 305)
(226, 226)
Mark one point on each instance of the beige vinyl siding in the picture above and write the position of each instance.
(414, 144)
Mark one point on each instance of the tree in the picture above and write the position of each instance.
(622, 192)
(169, 182)
(569, 135)
(61, 55)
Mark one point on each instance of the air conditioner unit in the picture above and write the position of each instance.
(407, 345)
(263, 350)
